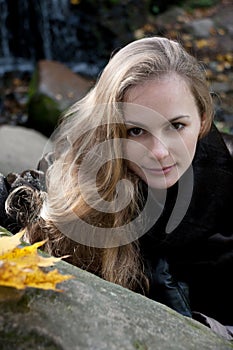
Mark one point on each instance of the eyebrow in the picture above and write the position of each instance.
(129, 122)
(141, 125)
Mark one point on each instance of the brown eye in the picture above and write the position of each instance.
(177, 126)
(134, 132)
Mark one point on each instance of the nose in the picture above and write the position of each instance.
(159, 149)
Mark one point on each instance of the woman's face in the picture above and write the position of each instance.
(163, 125)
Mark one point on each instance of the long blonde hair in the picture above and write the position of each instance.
(91, 121)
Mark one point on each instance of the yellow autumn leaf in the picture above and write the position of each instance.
(75, 2)
(20, 265)
(205, 43)
(12, 275)
(28, 256)
(229, 57)
(39, 279)
(202, 43)
(9, 243)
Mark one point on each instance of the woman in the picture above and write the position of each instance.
(140, 186)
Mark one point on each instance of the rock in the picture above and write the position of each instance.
(54, 87)
(94, 314)
(58, 82)
(200, 28)
(21, 148)
(43, 114)
(225, 44)
(219, 87)
(223, 18)
(169, 17)
(132, 15)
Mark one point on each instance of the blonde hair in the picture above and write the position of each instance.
(95, 119)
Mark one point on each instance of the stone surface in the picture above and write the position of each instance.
(21, 148)
(200, 28)
(54, 87)
(61, 84)
(94, 314)
(223, 18)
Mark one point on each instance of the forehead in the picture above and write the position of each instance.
(165, 85)
(166, 97)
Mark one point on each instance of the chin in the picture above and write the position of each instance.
(163, 184)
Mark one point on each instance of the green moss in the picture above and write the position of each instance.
(43, 113)
(138, 345)
(191, 4)
(32, 88)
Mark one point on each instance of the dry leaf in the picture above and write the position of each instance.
(9, 243)
(20, 265)
(12, 275)
(28, 256)
(75, 2)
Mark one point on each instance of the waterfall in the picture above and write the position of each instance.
(9, 62)
(5, 51)
(52, 13)
(41, 29)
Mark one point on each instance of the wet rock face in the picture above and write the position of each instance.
(91, 313)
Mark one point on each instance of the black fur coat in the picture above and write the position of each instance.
(191, 268)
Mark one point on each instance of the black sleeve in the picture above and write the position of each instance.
(166, 289)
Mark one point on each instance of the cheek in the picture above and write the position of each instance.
(189, 148)
(192, 139)
(133, 151)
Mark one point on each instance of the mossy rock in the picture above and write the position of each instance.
(43, 113)
(92, 314)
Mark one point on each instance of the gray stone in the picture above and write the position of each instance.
(21, 148)
(169, 17)
(200, 28)
(219, 87)
(94, 314)
(223, 18)
(225, 44)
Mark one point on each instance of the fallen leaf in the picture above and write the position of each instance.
(28, 256)
(21, 265)
(9, 243)
(12, 275)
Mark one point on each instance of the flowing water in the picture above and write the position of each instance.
(41, 29)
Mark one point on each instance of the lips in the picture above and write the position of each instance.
(163, 170)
